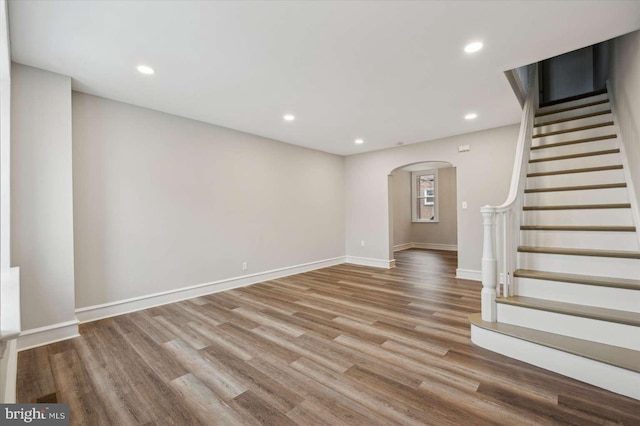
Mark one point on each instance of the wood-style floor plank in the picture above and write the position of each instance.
(345, 345)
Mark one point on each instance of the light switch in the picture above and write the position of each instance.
(464, 205)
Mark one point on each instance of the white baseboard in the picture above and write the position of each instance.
(434, 246)
(469, 274)
(425, 246)
(473, 275)
(9, 373)
(376, 263)
(106, 310)
(49, 334)
(614, 379)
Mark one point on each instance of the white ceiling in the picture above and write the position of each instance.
(382, 71)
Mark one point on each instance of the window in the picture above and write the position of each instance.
(424, 196)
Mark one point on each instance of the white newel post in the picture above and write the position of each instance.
(489, 265)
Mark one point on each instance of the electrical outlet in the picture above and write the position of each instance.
(362, 243)
(464, 148)
(245, 266)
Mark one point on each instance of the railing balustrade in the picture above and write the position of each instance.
(502, 223)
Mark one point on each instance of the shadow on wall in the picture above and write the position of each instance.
(423, 206)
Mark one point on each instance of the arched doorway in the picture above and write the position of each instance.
(423, 207)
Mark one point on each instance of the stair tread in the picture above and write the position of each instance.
(608, 354)
(578, 228)
(579, 279)
(574, 129)
(573, 142)
(577, 117)
(582, 154)
(593, 312)
(576, 188)
(571, 171)
(589, 104)
(580, 207)
(580, 252)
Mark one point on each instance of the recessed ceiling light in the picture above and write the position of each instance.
(144, 69)
(470, 116)
(289, 117)
(359, 141)
(473, 47)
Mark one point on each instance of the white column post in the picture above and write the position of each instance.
(489, 265)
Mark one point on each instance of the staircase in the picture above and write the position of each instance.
(573, 302)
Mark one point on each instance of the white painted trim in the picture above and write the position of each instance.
(9, 370)
(435, 246)
(469, 274)
(10, 324)
(5, 42)
(5, 139)
(106, 310)
(376, 263)
(400, 247)
(474, 275)
(49, 334)
(614, 379)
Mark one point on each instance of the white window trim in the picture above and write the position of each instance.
(414, 196)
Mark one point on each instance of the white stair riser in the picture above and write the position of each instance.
(614, 379)
(573, 123)
(609, 333)
(573, 113)
(580, 294)
(578, 148)
(575, 163)
(582, 240)
(573, 179)
(590, 217)
(588, 100)
(587, 196)
(571, 136)
(581, 265)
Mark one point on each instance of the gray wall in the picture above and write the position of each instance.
(162, 202)
(483, 177)
(624, 76)
(41, 195)
(445, 230)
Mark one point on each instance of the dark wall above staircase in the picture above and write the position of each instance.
(574, 73)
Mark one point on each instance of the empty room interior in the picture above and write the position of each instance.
(319, 213)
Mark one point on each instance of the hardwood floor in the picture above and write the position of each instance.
(345, 345)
